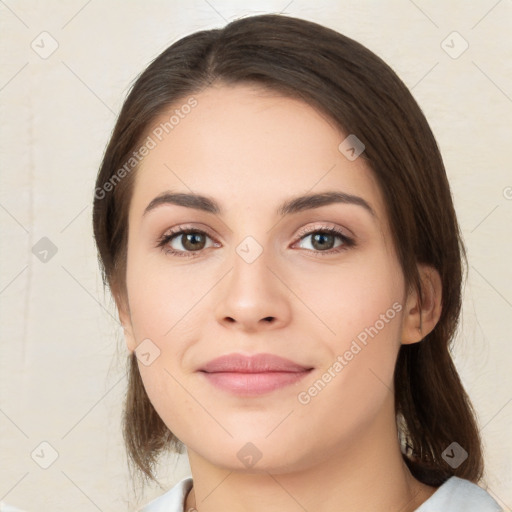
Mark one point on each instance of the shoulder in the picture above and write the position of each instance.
(173, 500)
(460, 494)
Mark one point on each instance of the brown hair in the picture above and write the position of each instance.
(363, 96)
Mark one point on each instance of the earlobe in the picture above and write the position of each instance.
(125, 320)
(128, 336)
(420, 317)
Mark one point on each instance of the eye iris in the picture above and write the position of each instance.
(190, 241)
(318, 241)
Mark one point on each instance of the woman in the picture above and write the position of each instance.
(274, 220)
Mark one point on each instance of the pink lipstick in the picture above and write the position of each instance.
(253, 375)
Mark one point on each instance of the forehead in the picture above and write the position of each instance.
(249, 148)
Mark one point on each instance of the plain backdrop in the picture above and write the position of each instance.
(66, 68)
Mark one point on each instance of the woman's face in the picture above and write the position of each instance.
(262, 280)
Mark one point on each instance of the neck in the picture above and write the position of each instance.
(368, 475)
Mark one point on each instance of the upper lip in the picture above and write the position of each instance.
(257, 363)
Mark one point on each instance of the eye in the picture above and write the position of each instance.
(323, 240)
(191, 240)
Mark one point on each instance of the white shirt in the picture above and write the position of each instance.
(455, 495)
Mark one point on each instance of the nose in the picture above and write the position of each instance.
(252, 297)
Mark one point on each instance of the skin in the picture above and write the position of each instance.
(250, 150)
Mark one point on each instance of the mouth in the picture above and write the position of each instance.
(253, 375)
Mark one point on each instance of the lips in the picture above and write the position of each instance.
(258, 363)
(252, 375)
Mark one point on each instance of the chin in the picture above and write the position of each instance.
(259, 456)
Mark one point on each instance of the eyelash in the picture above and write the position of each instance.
(166, 238)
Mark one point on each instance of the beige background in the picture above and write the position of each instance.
(62, 356)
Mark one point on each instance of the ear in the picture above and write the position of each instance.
(123, 310)
(420, 318)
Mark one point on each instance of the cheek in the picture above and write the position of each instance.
(352, 296)
(164, 306)
(162, 295)
(173, 404)
(362, 305)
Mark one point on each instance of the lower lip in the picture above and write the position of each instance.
(253, 383)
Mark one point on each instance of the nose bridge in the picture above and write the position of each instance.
(252, 296)
(250, 277)
(253, 253)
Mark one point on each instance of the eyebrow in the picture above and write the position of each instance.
(291, 206)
